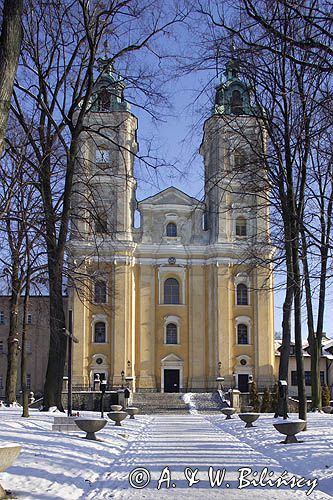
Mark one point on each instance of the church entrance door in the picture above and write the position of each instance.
(171, 380)
(243, 382)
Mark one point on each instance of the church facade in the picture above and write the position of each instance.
(180, 300)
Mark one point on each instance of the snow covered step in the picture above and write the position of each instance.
(64, 424)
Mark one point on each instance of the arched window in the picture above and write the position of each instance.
(171, 291)
(236, 103)
(242, 295)
(239, 158)
(100, 292)
(104, 100)
(171, 230)
(242, 335)
(100, 332)
(241, 226)
(171, 334)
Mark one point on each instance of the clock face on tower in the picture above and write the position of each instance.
(102, 156)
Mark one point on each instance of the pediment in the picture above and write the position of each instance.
(170, 196)
(171, 358)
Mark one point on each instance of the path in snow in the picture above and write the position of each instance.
(190, 441)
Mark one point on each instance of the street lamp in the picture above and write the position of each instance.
(71, 339)
(103, 389)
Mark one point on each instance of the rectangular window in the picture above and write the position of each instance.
(28, 381)
(1, 381)
(1, 346)
(28, 347)
(307, 375)
(2, 318)
(29, 319)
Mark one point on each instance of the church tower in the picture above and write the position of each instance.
(104, 194)
(234, 140)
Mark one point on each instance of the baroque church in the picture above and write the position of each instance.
(179, 300)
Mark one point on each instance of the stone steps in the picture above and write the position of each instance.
(64, 424)
(157, 403)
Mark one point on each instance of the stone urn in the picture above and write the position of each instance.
(117, 416)
(116, 407)
(131, 410)
(327, 409)
(8, 455)
(228, 412)
(290, 428)
(90, 426)
(249, 418)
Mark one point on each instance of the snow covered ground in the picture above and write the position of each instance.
(56, 466)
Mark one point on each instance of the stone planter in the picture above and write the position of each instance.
(228, 412)
(290, 429)
(131, 410)
(8, 455)
(116, 407)
(327, 409)
(249, 418)
(117, 416)
(90, 426)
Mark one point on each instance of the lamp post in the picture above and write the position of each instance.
(71, 339)
(103, 389)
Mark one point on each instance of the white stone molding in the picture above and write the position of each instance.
(172, 319)
(96, 318)
(243, 278)
(244, 320)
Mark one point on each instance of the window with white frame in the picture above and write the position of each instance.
(2, 318)
(100, 292)
(171, 230)
(243, 330)
(242, 294)
(171, 334)
(100, 332)
(241, 226)
(242, 334)
(171, 291)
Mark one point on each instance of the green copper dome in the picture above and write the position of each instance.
(108, 91)
(232, 95)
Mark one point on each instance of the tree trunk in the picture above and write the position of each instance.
(58, 343)
(24, 388)
(13, 340)
(10, 44)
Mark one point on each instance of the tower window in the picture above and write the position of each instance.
(171, 291)
(241, 226)
(100, 333)
(100, 292)
(242, 299)
(239, 159)
(2, 318)
(242, 334)
(104, 100)
(236, 103)
(1, 347)
(29, 319)
(171, 230)
(101, 224)
(171, 334)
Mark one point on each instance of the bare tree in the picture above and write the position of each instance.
(10, 43)
(53, 94)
